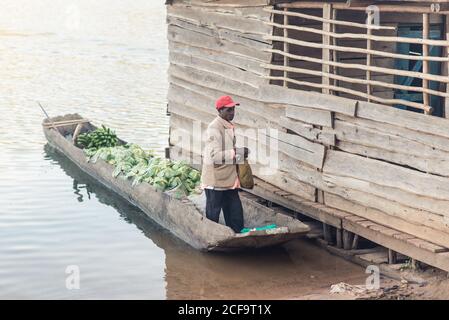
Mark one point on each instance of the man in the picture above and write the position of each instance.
(219, 177)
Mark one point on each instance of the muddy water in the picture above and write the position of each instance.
(107, 60)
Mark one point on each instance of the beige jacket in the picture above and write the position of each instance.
(219, 168)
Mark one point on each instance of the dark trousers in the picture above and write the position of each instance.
(229, 201)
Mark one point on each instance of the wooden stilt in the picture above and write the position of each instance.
(347, 240)
(339, 240)
(327, 233)
(392, 257)
(355, 242)
(415, 264)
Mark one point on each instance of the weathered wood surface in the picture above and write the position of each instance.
(349, 189)
(391, 198)
(308, 131)
(299, 148)
(301, 171)
(218, 68)
(269, 112)
(248, 40)
(285, 182)
(242, 62)
(407, 134)
(439, 166)
(281, 95)
(403, 118)
(310, 208)
(234, 20)
(398, 244)
(377, 144)
(229, 4)
(194, 101)
(386, 174)
(421, 226)
(401, 185)
(309, 115)
(189, 37)
(213, 81)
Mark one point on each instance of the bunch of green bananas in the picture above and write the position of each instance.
(101, 137)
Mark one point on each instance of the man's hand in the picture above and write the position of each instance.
(241, 154)
(245, 152)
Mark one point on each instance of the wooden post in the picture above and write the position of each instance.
(368, 56)
(392, 257)
(327, 233)
(286, 48)
(339, 239)
(425, 66)
(347, 240)
(415, 264)
(355, 242)
(446, 67)
(326, 54)
(334, 52)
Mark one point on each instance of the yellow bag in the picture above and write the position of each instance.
(245, 175)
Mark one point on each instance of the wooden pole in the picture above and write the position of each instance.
(392, 257)
(347, 240)
(362, 36)
(327, 233)
(353, 92)
(339, 239)
(326, 54)
(405, 73)
(315, 18)
(382, 7)
(359, 81)
(446, 67)
(368, 55)
(354, 80)
(286, 47)
(334, 52)
(355, 242)
(425, 53)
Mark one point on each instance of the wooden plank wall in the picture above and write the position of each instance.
(387, 165)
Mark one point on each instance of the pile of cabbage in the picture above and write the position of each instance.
(132, 162)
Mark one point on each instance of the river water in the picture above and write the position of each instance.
(107, 60)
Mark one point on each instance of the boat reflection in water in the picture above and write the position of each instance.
(290, 271)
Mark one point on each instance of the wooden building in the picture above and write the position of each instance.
(359, 93)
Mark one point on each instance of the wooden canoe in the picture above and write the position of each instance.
(182, 217)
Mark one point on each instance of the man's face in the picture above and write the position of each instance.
(227, 113)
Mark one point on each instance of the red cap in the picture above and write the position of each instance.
(225, 102)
